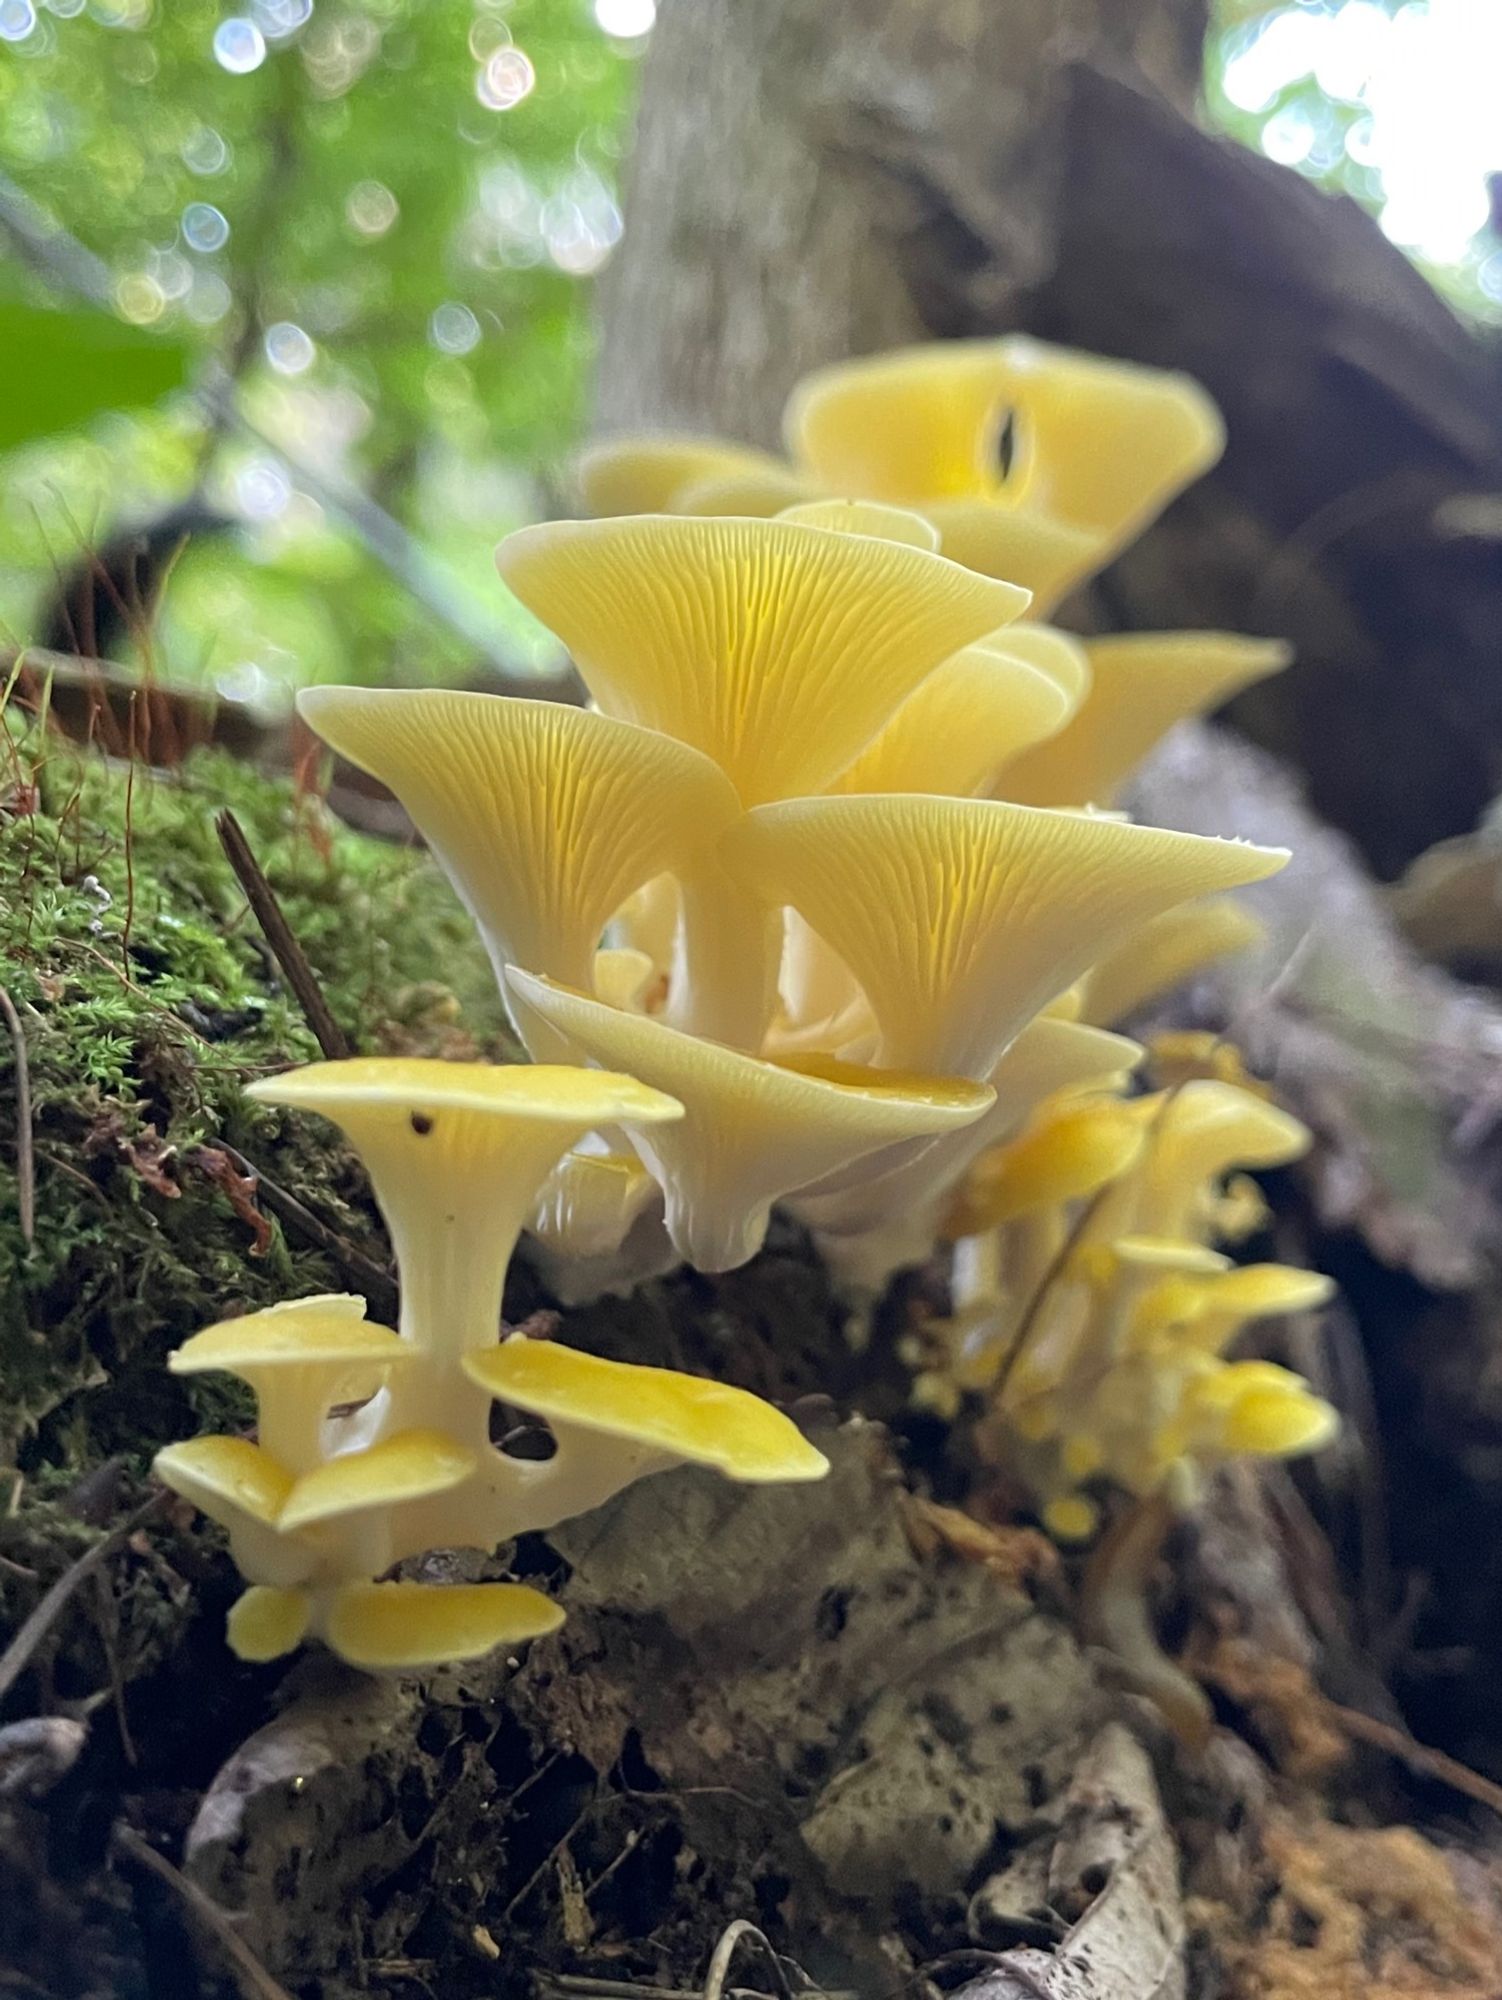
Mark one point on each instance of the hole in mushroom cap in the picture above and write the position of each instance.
(515, 1434)
(1006, 448)
(422, 1124)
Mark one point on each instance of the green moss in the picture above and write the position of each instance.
(147, 998)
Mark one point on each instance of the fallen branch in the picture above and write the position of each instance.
(251, 1977)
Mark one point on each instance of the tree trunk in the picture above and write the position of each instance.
(801, 166)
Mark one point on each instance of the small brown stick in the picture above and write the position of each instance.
(378, 1285)
(17, 1655)
(278, 933)
(251, 1977)
(25, 1154)
(1417, 1756)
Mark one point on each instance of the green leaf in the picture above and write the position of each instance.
(62, 369)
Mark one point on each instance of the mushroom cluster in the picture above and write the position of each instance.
(376, 1445)
(833, 843)
(1093, 1310)
(824, 900)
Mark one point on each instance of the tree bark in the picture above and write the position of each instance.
(802, 169)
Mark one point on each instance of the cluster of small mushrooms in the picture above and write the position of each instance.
(824, 901)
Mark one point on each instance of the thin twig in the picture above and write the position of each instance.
(736, 1934)
(251, 1977)
(1417, 1756)
(17, 1655)
(377, 1284)
(25, 1155)
(278, 933)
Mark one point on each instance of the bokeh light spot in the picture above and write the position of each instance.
(17, 19)
(626, 18)
(289, 350)
(453, 328)
(371, 208)
(505, 78)
(204, 227)
(239, 45)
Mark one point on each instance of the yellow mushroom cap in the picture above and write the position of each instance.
(457, 1153)
(1107, 444)
(1141, 683)
(776, 649)
(396, 1625)
(1064, 1155)
(226, 1478)
(545, 817)
(1260, 1409)
(757, 492)
(865, 517)
(1019, 540)
(962, 918)
(1167, 1254)
(968, 719)
(1259, 1291)
(1165, 952)
(412, 1465)
(753, 1130)
(647, 475)
(1205, 1128)
(265, 1622)
(299, 1333)
(684, 1416)
(397, 1087)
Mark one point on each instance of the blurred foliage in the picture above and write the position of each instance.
(381, 217)
(1392, 102)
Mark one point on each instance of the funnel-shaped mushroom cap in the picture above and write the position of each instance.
(265, 1622)
(301, 1358)
(753, 1130)
(961, 918)
(1063, 1156)
(1107, 444)
(457, 1152)
(1166, 952)
(1261, 1291)
(320, 1333)
(589, 1202)
(1213, 1309)
(955, 733)
(242, 1486)
(544, 817)
(1141, 684)
(1258, 1409)
(919, 423)
(778, 650)
(646, 475)
(682, 1416)
(227, 1478)
(396, 1625)
(412, 1465)
(1206, 1128)
(866, 517)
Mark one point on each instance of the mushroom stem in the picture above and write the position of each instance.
(724, 975)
